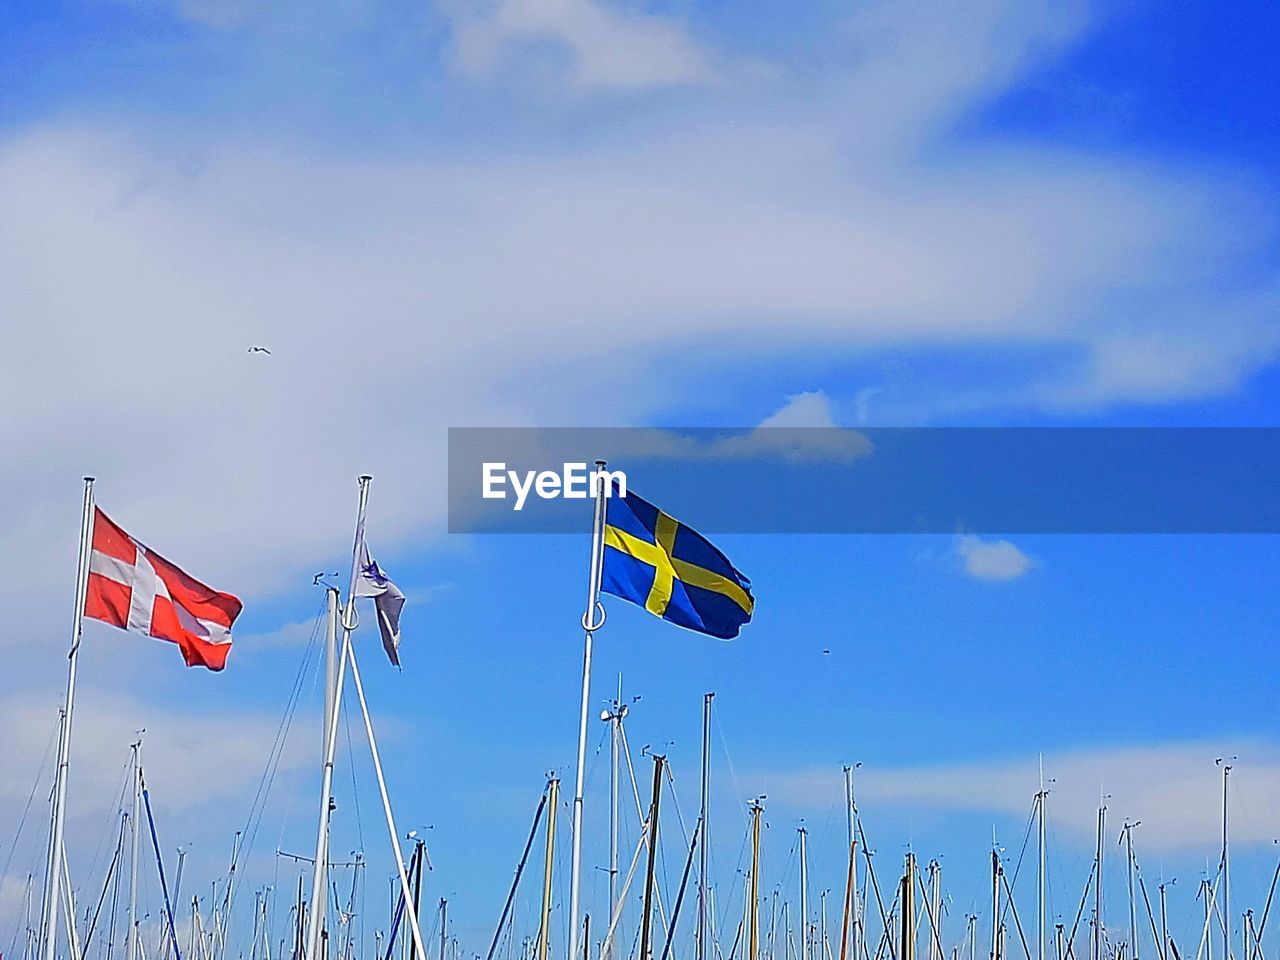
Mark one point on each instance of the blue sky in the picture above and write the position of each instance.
(586, 212)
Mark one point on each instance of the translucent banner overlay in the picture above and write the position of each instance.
(880, 480)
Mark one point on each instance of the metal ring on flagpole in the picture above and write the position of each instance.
(355, 621)
(588, 625)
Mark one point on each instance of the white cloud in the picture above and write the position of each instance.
(992, 559)
(407, 291)
(1174, 788)
(296, 634)
(401, 295)
(202, 766)
(803, 428)
(809, 409)
(604, 47)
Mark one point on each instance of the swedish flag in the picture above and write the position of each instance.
(655, 561)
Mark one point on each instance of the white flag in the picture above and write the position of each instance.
(387, 600)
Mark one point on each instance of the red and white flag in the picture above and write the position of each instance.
(134, 588)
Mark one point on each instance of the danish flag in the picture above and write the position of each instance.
(134, 588)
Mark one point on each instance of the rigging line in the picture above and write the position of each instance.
(644, 818)
(1155, 934)
(277, 749)
(684, 880)
(785, 880)
(30, 797)
(675, 801)
(622, 894)
(1084, 898)
(1266, 912)
(106, 830)
(728, 759)
(1017, 922)
(266, 780)
(18, 919)
(737, 872)
(1241, 808)
(1026, 838)
(106, 885)
(875, 886)
(155, 842)
(1208, 918)
(934, 922)
(561, 879)
(886, 935)
(662, 853)
(596, 757)
(351, 764)
(506, 909)
(110, 934)
(737, 937)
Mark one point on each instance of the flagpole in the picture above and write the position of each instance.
(410, 910)
(58, 834)
(333, 708)
(348, 656)
(592, 620)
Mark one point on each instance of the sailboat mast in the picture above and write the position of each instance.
(1133, 903)
(845, 918)
(935, 899)
(753, 927)
(544, 931)
(995, 904)
(804, 894)
(1206, 891)
(333, 672)
(615, 719)
(330, 666)
(1041, 856)
(851, 923)
(824, 951)
(614, 716)
(647, 915)
(1226, 867)
(69, 908)
(1164, 921)
(28, 952)
(57, 833)
(135, 823)
(1097, 887)
(908, 941)
(704, 820)
(347, 657)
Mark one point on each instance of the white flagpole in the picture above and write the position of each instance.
(348, 656)
(592, 621)
(409, 909)
(58, 834)
(333, 708)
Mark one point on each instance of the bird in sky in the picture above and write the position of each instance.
(260, 350)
